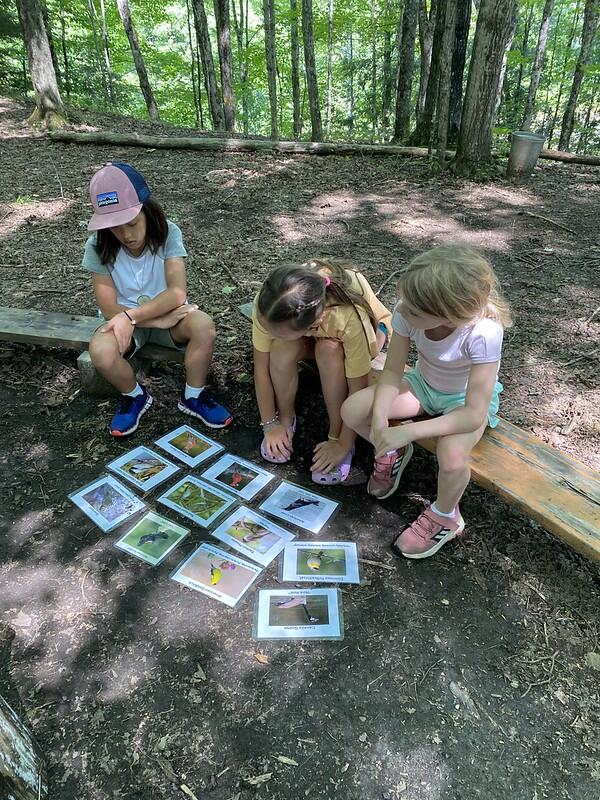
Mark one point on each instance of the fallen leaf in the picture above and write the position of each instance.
(199, 675)
(260, 779)
(186, 790)
(593, 660)
(286, 760)
(362, 737)
(261, 658)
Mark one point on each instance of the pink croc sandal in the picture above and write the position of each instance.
(337, 474)
(276, 459)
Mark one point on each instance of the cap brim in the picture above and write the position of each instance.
(100, 221)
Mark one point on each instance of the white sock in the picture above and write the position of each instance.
(134, 392)
(192, 391)
(436, 510)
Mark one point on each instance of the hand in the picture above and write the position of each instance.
(278, 441)
(327, 456)
(387, 439)
(174, 317)
(122, 330)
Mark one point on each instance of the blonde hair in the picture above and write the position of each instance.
(454, 282)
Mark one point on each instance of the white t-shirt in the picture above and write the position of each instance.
(446, 364)
(134, 277)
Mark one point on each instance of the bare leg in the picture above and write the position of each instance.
(106, 358)
(197, 331)
(283, 368)
(356, 411)
(454, 472)
(329, 355)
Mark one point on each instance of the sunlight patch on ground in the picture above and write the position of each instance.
(14, 215)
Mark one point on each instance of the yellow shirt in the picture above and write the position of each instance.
(347, 324)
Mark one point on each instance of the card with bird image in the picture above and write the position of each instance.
(323, 562)
(199, 501)
(152, 538)
(144, 468)
(298, 614)
(189, 446)
(107, 502)
(239, 476)
(299, 506)
(218, 574)
(253, 535)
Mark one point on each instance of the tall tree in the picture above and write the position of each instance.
(406, 63)
(63, 42)
(138, 60)
(590, 23)
(461, 37)
(269, 20)
(426, 30)
(329, 66)
(422, 134)
(495, 24)
(225, 60)
(567, 57)
(49, 109)
(99, 60)
(387, 78)
(193, 51)
(373, 68)
(106, 52)
(538, 63)
(295, 57)
(445, 80)
(311, 71)
(350, 61)
(240, 22)
(215, 105)
(523, 58)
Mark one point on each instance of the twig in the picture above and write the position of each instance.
(345, 223)
(546, 680)
(551, 221)
(377, 564)
(593, 314)
(230, 273)
(579, 358)
(387, 280)
(62, 194)
(375, 680)
(428, 670)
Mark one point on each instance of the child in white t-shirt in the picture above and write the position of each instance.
(136, 260)
(451, 309)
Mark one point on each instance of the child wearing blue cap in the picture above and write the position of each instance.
(136, 260)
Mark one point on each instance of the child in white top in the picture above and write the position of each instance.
(451, 309)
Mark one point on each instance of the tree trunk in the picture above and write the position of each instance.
(588, 125)
(524, 49)
(495, 24)
(192, 63)
(350, 85)
(99, 61)
(554, 48)
(124, 13)
(49, 109)
(221, 8)
(311, 71)
(538, 63)
(461, 38)
(48, 28)
(590, 23)
(562, 74)
(63, 42)
(387, 81)
(426, 30)
(295, 54)
(241, 30)
(329, 66)
(373, 69)
(406, 64)
(423, 132)
(269, 20)
(215, 106)
(445, 81)
(106, 51)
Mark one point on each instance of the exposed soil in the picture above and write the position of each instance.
(472, 674)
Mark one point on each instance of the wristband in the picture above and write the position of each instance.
(331, 438)
(131, 319)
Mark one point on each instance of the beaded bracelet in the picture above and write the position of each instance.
(270, 423)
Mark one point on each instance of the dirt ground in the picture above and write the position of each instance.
(473, 674)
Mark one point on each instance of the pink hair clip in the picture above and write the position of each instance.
(327, 281)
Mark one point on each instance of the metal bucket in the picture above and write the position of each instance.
(525, 149)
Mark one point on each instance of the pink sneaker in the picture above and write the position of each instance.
(428, 533)
(387, 472)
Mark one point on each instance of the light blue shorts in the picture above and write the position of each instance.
(435, 403)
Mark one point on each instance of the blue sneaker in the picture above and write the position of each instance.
(128, 413)
(206, 408)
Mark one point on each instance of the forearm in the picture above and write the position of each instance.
(386, 391)
(157, 307)
(462, 420)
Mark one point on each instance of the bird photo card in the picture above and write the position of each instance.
(189, 446)
(217, 574)
(197, 500)
(331, 562)
(299, 506)
(144, 468)
(253, 535)
(238, 475)
(298, 614)
(152, 538)
(107, 502)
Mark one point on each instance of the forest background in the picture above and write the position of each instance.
(340, 70)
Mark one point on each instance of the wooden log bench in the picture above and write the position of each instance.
(558, 492)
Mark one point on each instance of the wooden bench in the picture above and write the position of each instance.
(73, 332)
(558, 492)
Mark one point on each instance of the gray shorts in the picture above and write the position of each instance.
(159, 336)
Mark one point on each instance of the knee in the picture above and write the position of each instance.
(202, 327)
(328, 351)
(103, 351)
(357, 407)
(451, 457)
